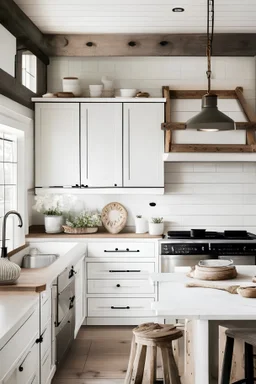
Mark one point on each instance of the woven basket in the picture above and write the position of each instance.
(79, 231)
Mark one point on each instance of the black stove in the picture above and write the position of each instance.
(200, 234)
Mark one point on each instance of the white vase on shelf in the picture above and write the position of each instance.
(141, 225)
(53, 223)
(156, 229)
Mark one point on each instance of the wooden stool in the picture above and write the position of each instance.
(248, 336)
(146, 338)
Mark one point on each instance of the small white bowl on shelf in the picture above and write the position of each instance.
(128, 92)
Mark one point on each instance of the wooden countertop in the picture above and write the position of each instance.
(37, 280)
(37, 231)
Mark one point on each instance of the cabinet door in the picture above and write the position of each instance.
(143, 145)
(101, 144)
(57, 144)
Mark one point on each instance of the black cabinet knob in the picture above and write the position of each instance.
(118, 285)
(132, 43)
(115, 185)
(89, 44)
(21, 369)
(164, 43)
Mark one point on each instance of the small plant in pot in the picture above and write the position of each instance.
(85, 222)
(141, 224)
(52, 207)
(156, 226)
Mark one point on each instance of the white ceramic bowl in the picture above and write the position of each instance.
(128, 92)
(96, 88)
(71, 84)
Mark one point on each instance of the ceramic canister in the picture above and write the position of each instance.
(9, 271)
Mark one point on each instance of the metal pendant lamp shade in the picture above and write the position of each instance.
(210, 119)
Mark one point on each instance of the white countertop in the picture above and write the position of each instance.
(15, 308)
(99, 100)
(178, 301)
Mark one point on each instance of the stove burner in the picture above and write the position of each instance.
(202, 234)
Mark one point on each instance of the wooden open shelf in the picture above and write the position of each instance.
(168, 126)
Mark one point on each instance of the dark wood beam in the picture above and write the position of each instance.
(223, 148)
(26, 32)
(182, 126)
(198, 94)
(13, 89)
(183, 44)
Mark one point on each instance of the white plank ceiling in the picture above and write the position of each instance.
(138, 16)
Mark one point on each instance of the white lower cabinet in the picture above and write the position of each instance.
(118, 290)
(79, 294)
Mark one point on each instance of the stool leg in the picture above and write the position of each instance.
(150, 371)
(248, 363)
(165, 357)
(173, 369)
(227, 362)
(139, 362)
(128, 376)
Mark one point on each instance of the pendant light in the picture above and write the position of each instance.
(210, 119)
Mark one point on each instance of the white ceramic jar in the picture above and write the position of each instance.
(156, 229)
(141, 225)
(53, 224)
(71, 84)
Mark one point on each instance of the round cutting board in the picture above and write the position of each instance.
(114, 217)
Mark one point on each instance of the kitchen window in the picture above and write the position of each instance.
(8, 182)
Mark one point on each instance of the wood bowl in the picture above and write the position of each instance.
(213, 274)
(249, 292)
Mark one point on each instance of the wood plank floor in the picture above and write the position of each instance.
(99, 355)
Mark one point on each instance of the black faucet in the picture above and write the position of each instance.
(4, 248)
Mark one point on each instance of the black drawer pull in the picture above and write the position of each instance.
(118, 285)
(124, 270)
(112, 307)
(121, 250)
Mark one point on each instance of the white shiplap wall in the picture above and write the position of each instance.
(200, 195)
(197, 195)
(151, 73)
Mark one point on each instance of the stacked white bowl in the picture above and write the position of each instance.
(95, 90)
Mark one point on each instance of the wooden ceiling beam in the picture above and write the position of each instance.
(26, 32)
(183, 44)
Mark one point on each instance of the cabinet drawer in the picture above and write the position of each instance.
(46, 367)
(45, 313)
(120, 307)
(121, 250)
(27, 367)
(120, 286)
(119, 270)
(16, 346)
(46, 343)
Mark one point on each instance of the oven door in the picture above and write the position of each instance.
(169, 262)
(240, 259)
(65, 335)
(65, 301)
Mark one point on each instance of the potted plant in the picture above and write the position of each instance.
(156, 226)
(141, 224)
(52, 207)
(85, 222)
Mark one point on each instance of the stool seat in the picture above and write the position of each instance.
(248, 336)
(147, 338)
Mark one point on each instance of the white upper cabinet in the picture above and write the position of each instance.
(101, 145)
(57, 144)
(143, 145)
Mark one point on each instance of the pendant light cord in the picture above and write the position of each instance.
(210, 30)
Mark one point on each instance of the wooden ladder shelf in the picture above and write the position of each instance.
(168, 126)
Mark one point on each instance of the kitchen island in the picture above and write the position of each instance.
(203, 305)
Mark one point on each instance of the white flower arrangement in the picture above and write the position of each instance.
(53, 205)
(85, 219)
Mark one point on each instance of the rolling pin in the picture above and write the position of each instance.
(231, 289)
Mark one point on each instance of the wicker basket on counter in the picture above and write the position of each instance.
(79, 231)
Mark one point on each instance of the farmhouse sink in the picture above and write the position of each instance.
(39, 260)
